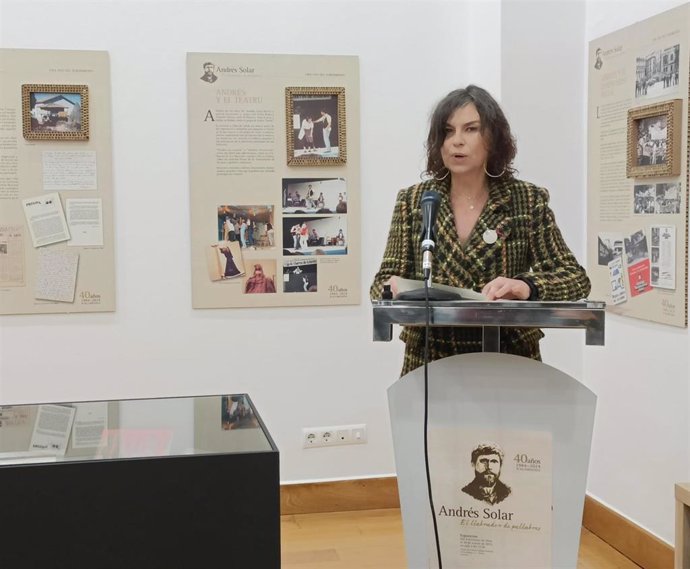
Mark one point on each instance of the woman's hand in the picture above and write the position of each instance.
(393, 281)
(503, 288)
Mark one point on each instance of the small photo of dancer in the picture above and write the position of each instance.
(299, 275)
(224, 261)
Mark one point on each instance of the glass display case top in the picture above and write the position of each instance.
(128, 429)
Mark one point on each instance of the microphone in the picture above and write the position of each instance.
(429, 204)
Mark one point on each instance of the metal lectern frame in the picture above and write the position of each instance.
(491, 317)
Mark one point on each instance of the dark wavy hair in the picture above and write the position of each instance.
(484, 449)
(494, 128)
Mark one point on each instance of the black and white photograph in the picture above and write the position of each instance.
(314, 195)
(645, 198)
(655, 255)
(655, 236)
(636, 248)
(651, 141)
(250, 226)
(315, 235)
(654, 140)
(315, 125)
(486, 486)
(300, 275)
(657, 199)
(668, 198)
(610, 247)
(655, 275)
(656, 72)
(55, 112)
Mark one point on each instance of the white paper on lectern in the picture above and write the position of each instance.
(515, 522)
(52, 428)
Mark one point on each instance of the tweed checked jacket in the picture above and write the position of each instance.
(529, 245)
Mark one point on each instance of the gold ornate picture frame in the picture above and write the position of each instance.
(315, 126)
(654, 133)
(55, 112)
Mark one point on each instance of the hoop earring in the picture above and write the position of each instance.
(494, 175)
(441, 178)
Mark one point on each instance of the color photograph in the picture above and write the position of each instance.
(260, 277)
(315, 235)
(314, 195)
(315, 127)
(224, 261)
(250, 226)
(55, 112)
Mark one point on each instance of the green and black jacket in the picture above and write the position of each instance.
(529, 246)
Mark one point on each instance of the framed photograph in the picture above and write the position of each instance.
(55, 112)
(315, 126)
(654, 140)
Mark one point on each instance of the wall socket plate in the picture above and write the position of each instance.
(337, 435)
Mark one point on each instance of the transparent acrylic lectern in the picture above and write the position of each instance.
(533, 421)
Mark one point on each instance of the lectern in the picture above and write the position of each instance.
(508, 440)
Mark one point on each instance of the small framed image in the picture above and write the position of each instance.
(55, 112)
(315, 126)
(654, 133)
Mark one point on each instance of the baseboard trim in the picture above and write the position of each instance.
(636, 543)
(340, 496)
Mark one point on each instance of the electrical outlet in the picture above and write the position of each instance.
(334, 436)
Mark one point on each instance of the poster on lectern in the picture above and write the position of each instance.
(274, 179)
(492, 493)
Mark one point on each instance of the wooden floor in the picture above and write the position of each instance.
(373, 539)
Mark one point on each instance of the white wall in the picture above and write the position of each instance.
(641, 435)
(543, 97)
(411, 53)
(302, 366)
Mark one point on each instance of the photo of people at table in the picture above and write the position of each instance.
(250, 226)
(314, 195)
(299, 275)
(315, 235)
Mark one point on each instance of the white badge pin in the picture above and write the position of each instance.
(490, 236)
